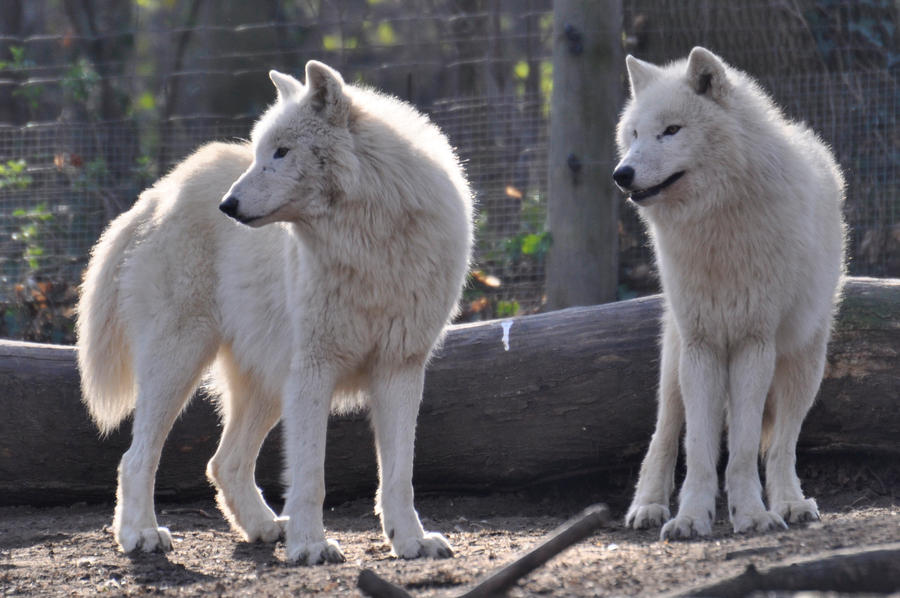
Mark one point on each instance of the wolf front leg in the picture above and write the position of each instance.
(749, 378)
(306, 403)
(650, 506)
(396, 394)
(702, 374)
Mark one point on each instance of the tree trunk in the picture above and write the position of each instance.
(582, 209)
(574, 394)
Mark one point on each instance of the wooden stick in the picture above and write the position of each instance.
(573, 531)
(569, 533)
(370, 584)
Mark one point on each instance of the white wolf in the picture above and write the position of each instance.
(337, 302)
(744, 210)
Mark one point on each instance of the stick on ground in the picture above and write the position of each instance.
(573, 531)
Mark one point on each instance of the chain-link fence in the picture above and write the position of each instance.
(96, 102)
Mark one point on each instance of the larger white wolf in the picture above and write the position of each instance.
(337, 301)
(744, 210)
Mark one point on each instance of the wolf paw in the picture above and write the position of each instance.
(269, 530)
(151, 539)
(761, 521)
(797, 511)
(432, 545)
(315, 553)
(645, 516)
(685, 527)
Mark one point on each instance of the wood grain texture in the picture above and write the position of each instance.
(574, 394)
(583, 202)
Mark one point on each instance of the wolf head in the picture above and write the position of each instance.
(302, 152)
(675, 128)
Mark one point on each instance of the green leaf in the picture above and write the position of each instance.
(331, 42)
(531, 244)
(386, 35)
(521, 69)
(18, 53)
(507, 309)
(146, 101)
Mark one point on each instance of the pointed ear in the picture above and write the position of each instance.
(706, 74)
(640, 73)
(287, 86)
(326, 93)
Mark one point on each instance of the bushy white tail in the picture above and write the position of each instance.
(104, 355)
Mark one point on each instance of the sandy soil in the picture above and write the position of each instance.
(69, 551)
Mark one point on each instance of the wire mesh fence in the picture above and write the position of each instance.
(96, 103)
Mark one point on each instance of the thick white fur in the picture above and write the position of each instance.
(750, 248)
(337, 303)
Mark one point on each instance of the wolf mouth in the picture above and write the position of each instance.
(637, 196)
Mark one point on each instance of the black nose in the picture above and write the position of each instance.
(230, 206)
(623, 176)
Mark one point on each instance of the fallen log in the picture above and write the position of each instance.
(574, 393)
(872, 570)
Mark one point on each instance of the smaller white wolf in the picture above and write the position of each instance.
(327, 288)
(744, 211)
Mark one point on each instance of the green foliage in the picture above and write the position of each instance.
(521, 69)
(335, 42)
(30, 92)
(92, 177)
(533, 242)
(520, 254)
(32, 223)
(18, 62)
(528, 245)
(14, 175)
(507, 309)
(386, 35)
(79, 80)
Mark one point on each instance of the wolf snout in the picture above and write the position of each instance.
(624, 176)
(229, 206)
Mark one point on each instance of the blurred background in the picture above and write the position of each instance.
(98, 98)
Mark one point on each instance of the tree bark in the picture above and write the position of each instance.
(872, 571)
(574, 394)
(582, 208)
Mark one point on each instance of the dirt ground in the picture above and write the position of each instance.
(69, 551)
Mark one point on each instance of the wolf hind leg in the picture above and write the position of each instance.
(168, 367)
(796, 382)
(249, 414)
(650, 506)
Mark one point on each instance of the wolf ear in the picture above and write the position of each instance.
(640, 73)
(326, 93)
(287, 86)
(706, 74)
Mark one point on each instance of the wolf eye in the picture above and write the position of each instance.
(671, 130)
(281, 152)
